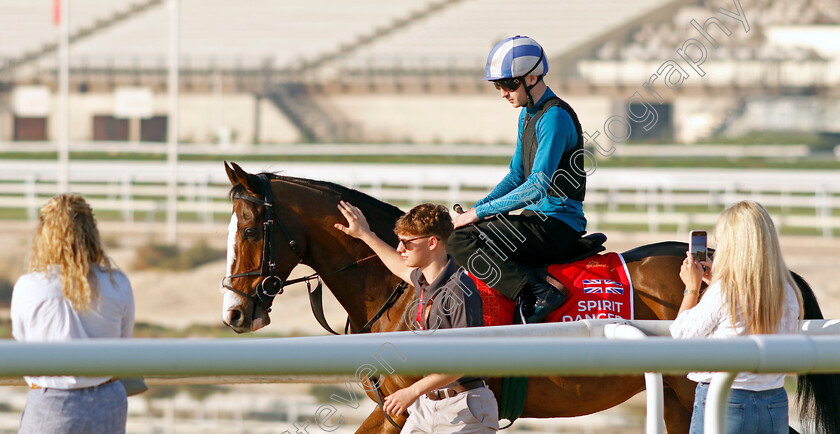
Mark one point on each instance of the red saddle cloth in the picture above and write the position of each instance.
(599, 288)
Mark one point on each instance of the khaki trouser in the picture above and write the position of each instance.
(473, 411)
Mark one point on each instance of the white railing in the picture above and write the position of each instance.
(655, 417)
(533, 350)
(772, 152)
(653, 198)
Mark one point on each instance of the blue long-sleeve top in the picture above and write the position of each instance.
(555, 134)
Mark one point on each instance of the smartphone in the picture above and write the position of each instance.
(697, 245)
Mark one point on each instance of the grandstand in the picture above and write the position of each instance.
(759, 81)
(656, 41)
(271, 71)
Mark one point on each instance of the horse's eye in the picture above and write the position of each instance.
(249, 232)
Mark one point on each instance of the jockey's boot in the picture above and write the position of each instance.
(547, 299)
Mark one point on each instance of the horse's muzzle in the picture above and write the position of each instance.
(241, 319)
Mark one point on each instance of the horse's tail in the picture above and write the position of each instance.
(818, 395)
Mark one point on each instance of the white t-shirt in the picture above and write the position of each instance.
(40, 313)
(709, 318)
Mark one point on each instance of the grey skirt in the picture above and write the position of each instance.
(99, 409)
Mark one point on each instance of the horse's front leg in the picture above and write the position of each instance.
(377, 424)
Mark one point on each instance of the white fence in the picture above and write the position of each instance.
(534, 350)
(784, 152)
(649, 198)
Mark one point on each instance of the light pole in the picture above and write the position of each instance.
(172, 127)
(64, 96)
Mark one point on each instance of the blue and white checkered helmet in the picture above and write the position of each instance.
(516, 57)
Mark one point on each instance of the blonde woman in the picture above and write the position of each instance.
(750, 292)
(71, 291)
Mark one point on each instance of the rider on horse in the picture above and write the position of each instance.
(546, 178)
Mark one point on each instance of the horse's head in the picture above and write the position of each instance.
(259, 258)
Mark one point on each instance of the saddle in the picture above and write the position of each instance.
(585, 247)
(589, 245)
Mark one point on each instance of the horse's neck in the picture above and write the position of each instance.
(362, 289)
(363, 298)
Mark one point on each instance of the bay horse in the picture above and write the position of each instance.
(279, 222)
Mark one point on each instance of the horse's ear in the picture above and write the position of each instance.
(237, 175)
(230, 173)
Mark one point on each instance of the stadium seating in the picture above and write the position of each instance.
(248, 32)
(221, 31)
(464, 34)
(657, 41)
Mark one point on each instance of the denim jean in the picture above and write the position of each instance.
(93, 410)
(759, 412)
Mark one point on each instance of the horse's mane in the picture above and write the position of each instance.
(338, 192)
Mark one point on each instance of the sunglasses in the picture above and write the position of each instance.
(508, 84)
(405, 242)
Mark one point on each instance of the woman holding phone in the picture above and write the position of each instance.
(750, 292)
(72, 291)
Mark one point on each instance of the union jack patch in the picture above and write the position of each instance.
(602, 286)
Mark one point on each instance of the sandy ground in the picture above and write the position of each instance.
(179, 299)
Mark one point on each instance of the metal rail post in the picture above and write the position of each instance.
(655, 420)
(30, 187)
(128, 203)
(714, 420)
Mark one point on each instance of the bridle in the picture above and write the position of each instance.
(272, 285)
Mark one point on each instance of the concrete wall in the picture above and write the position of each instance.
(410, 118)
(274, 126)
(803, 114)
(202, 117)
(447, 119)
(696, 117)
(429, 118)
